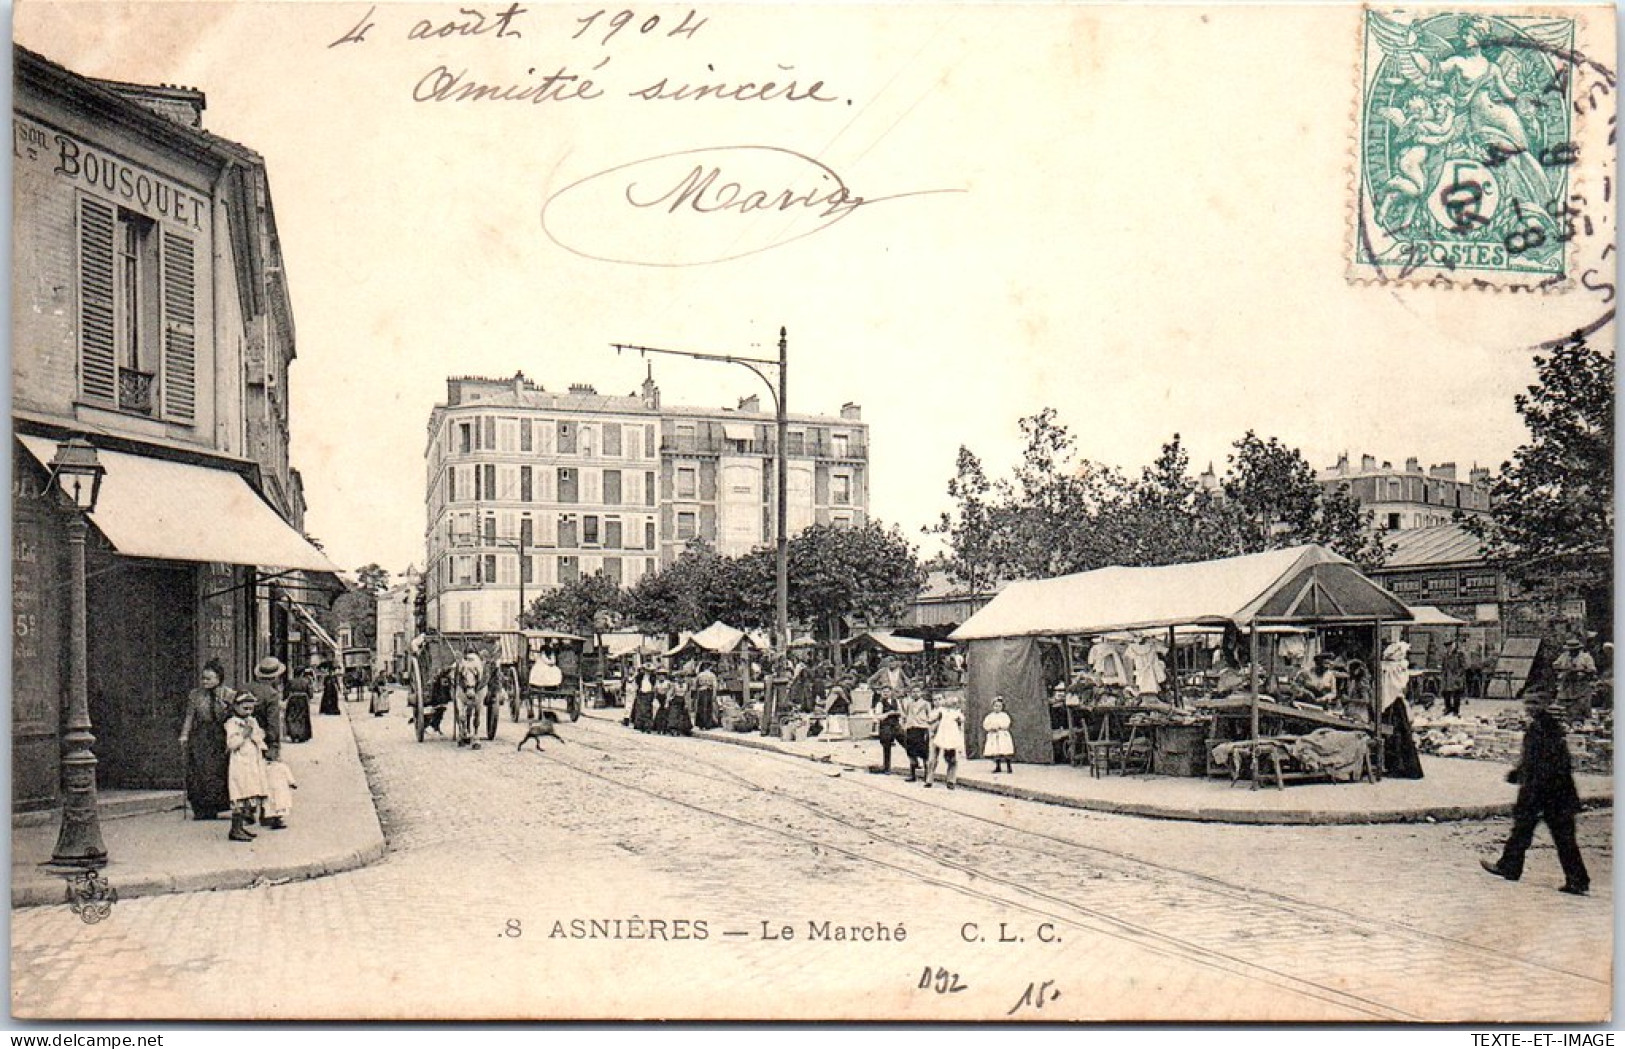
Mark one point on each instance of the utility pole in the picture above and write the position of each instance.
(781, 625)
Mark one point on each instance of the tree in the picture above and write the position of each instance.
(573, 607)
(1552, 507)
(1057, 513)
(371, 577)
(869, 572)
(972, 530)
(1280, 504)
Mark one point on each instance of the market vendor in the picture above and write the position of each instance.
(1317, 682)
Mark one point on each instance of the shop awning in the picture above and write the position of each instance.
(183, 512)
(719, 637)
(1302, 583)
(316, 628)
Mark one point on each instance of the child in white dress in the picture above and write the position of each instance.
(245, 774)
(998, 744)
(947, 740)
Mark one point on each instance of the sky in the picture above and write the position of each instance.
(1137, 216)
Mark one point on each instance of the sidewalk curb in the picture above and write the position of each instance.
(51, 890)
(1285, 817)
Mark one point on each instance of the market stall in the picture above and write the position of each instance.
(730, 651)
(1083, 661)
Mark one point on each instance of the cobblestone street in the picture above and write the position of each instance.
(712, 870)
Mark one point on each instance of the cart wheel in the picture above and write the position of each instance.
(513, 695)
(573, 705)
(418, 698)
(492, 708)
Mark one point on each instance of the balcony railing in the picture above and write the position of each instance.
(135, 390)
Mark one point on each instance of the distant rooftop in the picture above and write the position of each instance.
(1438, 545)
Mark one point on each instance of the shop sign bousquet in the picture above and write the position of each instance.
(107, 175)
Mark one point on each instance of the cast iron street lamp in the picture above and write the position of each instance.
(78, 473)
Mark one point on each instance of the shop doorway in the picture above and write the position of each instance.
(142, 640)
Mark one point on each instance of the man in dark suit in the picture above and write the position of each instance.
(1546, 791)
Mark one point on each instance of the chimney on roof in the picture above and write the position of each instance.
(1368, 463)
(651, 392)
(1444, 471)
(454, 392)
(1413, 465)
(753, 403)
(518, 384)
(1342, 467)
(582, 389)
(852, 412)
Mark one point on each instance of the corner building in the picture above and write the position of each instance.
(529, 489)
(151, 319)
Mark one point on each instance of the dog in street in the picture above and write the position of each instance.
(546, 726)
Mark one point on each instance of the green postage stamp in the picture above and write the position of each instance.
(1465, 147)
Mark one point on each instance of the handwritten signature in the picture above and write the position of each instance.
(698, 207)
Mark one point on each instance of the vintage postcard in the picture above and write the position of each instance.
(820, 512)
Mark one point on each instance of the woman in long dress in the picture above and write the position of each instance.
(203, 743)
(297, 714)
(330, 690)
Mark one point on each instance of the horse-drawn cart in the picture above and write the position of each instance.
(460, 672)
(553, 674)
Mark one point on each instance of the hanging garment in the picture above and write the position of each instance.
(1106, 660)
(1396, 672)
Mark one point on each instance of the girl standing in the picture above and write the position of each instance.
(998, 744)
(948, 740)
(245, 742)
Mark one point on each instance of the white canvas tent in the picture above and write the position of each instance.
(1257, 592)
(719, 638)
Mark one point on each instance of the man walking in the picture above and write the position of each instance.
(1453, 677)
(1545, 791)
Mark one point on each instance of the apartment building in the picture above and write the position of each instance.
(529, 489)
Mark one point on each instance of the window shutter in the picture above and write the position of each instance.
(180, 329)
(98, 372)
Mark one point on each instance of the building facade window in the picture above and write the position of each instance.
(589, 530)
(567, 484)
(612, 439)
(648, 535)
(567, 439)
(841, 489)
(569, 569)
(841, 444)
(687, 482)
(137, 314)
(687, 524)
(567, 531)
(527, 493)
(612, 533)
(612, 487)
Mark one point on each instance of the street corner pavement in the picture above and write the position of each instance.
(334, 827)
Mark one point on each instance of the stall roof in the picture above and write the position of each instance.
(888, 641)
(1301, 583)
(626, 644)
(718, 637)
(1430, 615)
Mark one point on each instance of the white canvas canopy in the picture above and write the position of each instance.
(719, 637)
(1304, 583)
(1431, 615)
(617, 645)
(890, 642)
